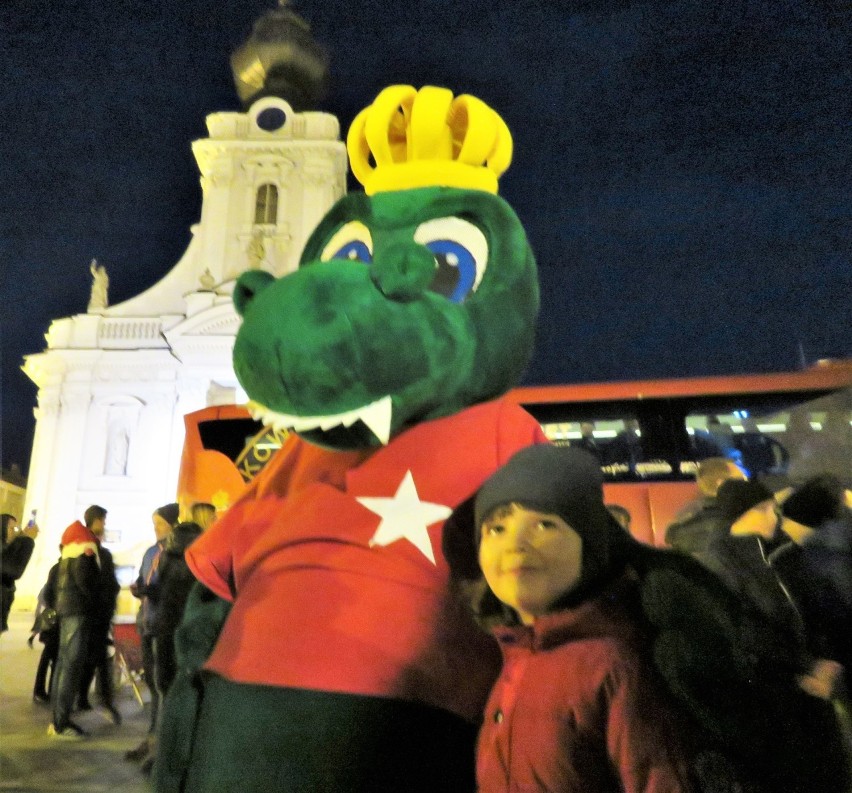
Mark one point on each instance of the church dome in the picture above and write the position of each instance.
(281, 58)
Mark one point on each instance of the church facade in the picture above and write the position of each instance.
(115, 383)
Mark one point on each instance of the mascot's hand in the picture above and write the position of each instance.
(203, 618)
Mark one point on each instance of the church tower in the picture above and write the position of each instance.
(115, 382)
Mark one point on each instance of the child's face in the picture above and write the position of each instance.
(529, 559)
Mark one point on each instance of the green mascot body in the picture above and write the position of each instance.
(345, 661)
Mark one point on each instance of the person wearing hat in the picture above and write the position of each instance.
(164, 518)
(740, 556)
(564, 607)
(761, 559)
(700, 522)
(98, 661)
(77, 583)
(816, 569)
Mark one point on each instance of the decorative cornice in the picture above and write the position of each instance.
(216, 321)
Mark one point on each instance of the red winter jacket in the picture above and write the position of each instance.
(576, 710)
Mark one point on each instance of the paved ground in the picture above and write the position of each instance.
(30, 761)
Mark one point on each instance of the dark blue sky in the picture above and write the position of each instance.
(683, 168)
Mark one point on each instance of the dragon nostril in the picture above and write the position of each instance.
(403, 272)
(249, 285)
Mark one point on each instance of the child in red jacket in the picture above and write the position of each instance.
(578, 706)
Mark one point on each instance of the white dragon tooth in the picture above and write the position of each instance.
(377, 416)
(350, 417)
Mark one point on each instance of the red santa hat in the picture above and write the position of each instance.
(77, 540)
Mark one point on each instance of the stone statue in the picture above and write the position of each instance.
(256, 251)
(118, 444)
(100, 286)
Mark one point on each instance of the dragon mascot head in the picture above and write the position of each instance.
(414, 300)
(341, 658)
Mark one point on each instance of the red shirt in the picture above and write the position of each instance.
(336, 566)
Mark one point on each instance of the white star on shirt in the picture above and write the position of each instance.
(406, 517)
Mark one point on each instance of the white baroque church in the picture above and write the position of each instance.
(115, 382)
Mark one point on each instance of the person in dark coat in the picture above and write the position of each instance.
(77, 607)
(816, 569)
(169, 589)
(740, 555)
(743, 559)
(701, 521)
(16, 549)
(49, 637)
(164, 519)
(98, 660)
(587, 441)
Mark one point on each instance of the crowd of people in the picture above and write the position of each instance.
(720, 662)
(76, 608)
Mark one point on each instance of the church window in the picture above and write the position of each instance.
(266, 205)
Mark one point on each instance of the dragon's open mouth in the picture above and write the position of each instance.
(376, 416)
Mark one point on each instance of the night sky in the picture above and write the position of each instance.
(683, 168)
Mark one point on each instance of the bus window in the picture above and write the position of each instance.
(747, 441)
(784, 425)
(799, 439)
(629, 445)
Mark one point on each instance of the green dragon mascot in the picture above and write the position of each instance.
(327, 650)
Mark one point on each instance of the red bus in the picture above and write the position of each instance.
(649, 436)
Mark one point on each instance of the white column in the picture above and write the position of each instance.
(55, 466)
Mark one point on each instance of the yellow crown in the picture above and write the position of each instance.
(427, 138)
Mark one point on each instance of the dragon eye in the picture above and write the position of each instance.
(351, 241)
(461, 255)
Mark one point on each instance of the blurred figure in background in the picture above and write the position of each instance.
(587, 441)
(761, 453)
(76, 605)
(700, 521)
(621, 514)
(626, 447)
(16, 549)
(98, 660)
(48, 635)
(203, 514)
(164, 519)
